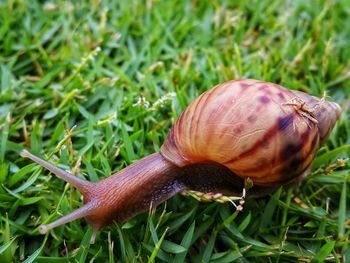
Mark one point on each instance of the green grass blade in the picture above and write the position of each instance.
(84, 246)
(186, 242)
(209, 247)
(157, 247)
(325, 250)
(342, 211)
(270, 209)
(33, 256)
(6, 245)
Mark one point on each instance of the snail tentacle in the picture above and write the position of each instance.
(81, 212)
(81, 184)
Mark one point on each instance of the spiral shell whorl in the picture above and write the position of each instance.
(247, 126)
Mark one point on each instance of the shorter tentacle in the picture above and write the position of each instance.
(81, 212)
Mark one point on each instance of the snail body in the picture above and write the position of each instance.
(237, 130)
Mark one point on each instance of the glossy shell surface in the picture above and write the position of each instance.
(251, 127)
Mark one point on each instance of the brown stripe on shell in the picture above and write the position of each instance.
(292, 157)
(285, 155)
(195, 119)
(299, 164)
(268, 135)
(223, 117)
(199, 115)
(178, 129)
(171, 140)
(293, 148)
(315, 140)
(170, 150)
(281, 124)
(210, 129)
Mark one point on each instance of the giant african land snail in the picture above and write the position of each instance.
(234, 131)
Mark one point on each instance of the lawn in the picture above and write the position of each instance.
(105, 81)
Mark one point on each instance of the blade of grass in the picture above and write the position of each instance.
(342, 211)
(325, 250)
(186, 242)
(157, 247)
(33, 256)
(209, 247)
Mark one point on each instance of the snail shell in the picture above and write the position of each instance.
(256, 129)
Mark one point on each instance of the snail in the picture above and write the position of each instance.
(238, 130)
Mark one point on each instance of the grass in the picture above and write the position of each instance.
(105, 81)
